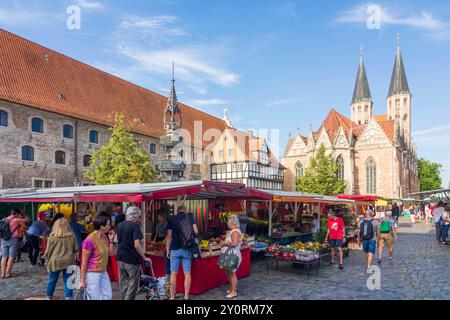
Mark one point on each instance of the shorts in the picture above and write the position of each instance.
(386, 238)
(369, 246)
(182, 256)
(10, 247)
(336, 243)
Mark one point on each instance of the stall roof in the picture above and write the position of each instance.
(136, 192)
(292, 196)
(358, 198)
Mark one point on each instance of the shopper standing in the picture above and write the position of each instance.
(130, 253)
(438, 212)
(233, 241)
(95, 255)
(60, 254)
(181, 232)
(34, 235)
(335, 237)
(10, 245)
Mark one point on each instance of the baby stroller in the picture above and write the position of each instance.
(149, 285)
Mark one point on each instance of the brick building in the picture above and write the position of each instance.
(54, 111)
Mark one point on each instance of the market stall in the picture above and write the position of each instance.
(205, 271)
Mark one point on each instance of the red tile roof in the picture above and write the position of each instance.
(388, 127)
(35, 76)
(334, 120)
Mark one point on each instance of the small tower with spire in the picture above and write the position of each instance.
(399, 96)
(172, 166)
(362, 105)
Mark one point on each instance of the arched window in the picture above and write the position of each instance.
(93, 136)
(60, 157)
(366, 108)
(86, 160)
(359, 108)
(371, 176)
(68, 131)
(340, 165)
(298, 170)
(152, 148)
(397, 102)
(37, 125)
(27, 153)
(405, 116)
(405, 101)
(3, 118)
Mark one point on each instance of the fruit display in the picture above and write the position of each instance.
(155, 246)
(295, 252)
(310, 246)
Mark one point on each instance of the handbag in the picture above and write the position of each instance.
(195, 250)
(82, 295)
(228, 260)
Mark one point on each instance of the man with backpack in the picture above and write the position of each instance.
(387, 235)
(368, 235)
(9, 234)
(181, 233)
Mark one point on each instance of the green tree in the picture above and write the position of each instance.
(429, 175)
(121, 160)
(321, 176)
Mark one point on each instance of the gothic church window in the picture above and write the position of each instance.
(405, 101)
(298, 170)
(340, 165)
(371, 176)
(366, 108)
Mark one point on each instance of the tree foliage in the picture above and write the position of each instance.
(121, 160)
(321, 176)
(429, 175)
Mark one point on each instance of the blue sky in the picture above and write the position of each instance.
(274, 64)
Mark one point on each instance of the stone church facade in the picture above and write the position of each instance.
(375, 154)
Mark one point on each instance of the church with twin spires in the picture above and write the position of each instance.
(375, 153)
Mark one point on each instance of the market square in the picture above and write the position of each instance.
(139, 161)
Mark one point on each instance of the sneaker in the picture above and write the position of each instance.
(341, 266)
(379, 261)
(391, 258)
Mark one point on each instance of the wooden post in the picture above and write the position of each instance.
(270, 218)
(143, 222)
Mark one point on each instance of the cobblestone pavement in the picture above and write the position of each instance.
(420, 270)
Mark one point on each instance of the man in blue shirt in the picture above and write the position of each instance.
(176, 253)
(34, 234)
(79, 230)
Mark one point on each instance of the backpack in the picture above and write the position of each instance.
(366, 230)
(186, 233)
(385, 226)
(5, 231)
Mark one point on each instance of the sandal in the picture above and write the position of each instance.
(231, 296)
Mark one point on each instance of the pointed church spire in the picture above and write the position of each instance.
(399, 82)
(172, 106)
(361, 91)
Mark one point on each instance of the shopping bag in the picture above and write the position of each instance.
(228, 260)
(82, 295)
(196, 252)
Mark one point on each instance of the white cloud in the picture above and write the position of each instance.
(153, 43)
(157, 27)
(206, 102)
(425, 21)
(28, 15)
(286, 9)
(280, 102)
(90, 5)
(445, 127)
